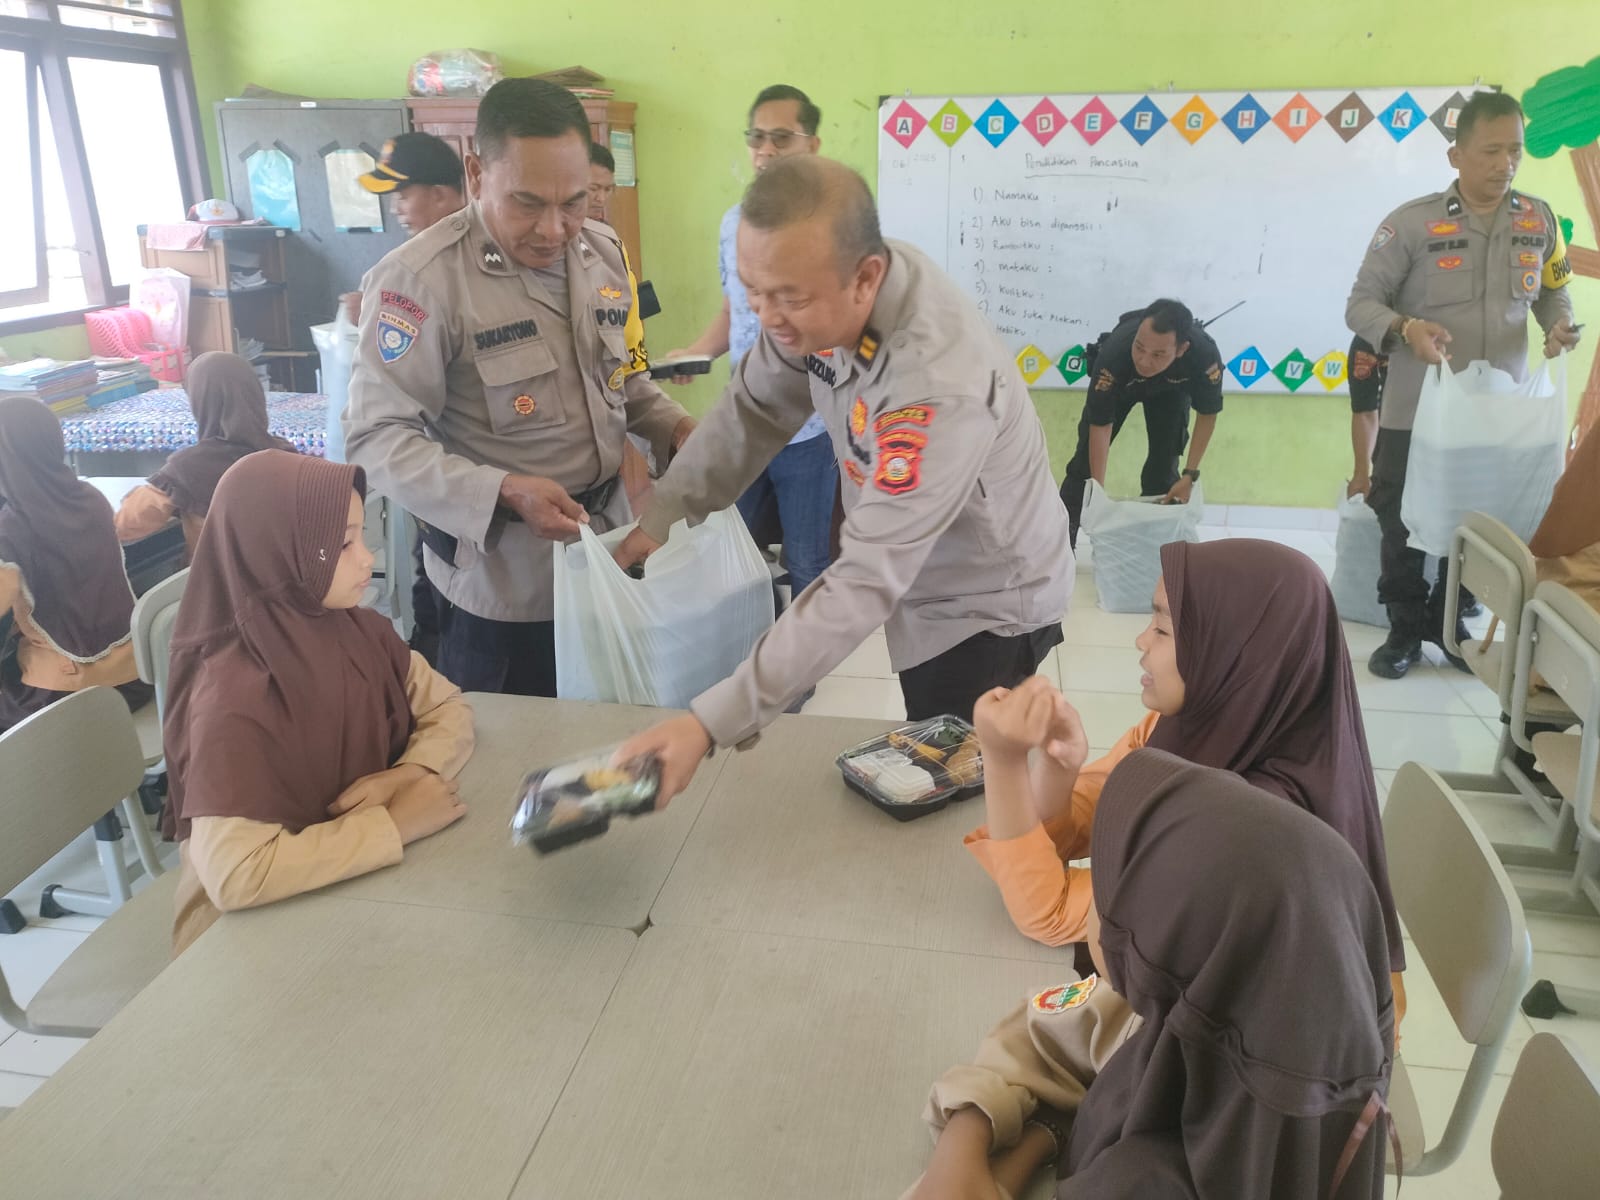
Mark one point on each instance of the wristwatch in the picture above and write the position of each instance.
(1192, 474)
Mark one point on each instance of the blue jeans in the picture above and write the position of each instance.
(800, 484)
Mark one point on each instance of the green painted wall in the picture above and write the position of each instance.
(694, 65)
(71, 342)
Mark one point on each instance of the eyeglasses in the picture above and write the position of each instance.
(780, 138)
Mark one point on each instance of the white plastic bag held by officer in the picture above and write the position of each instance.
(1356, 565)
(704, 601)
(1483, 442)
(336, 350)
(1128, 536)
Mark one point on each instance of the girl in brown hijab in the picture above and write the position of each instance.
(305, 743)
(230, 409)
(65, 602)
(1246, 669)
(1567, 542)
(1235, 1040)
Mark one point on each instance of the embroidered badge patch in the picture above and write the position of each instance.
(611, 293)
(396, 335)
(1450, 262)
(913, 414)
(1361, 367)
(899, 461)
(501, 335)
(858, 417)
(399, 302)
(1528, 259)
(1070, 995)
(1444, 228)
(1214, 373)
(856, 475)
(1382, 238)
(1530, 281)
(1104, 380)
(1533, 224)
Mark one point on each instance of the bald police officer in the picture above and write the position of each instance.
(954, 539)
(1452, 274)
(497, 376)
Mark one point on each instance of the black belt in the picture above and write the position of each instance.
(594, 502)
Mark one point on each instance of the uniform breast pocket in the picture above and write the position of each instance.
(1448, 287)
(1527, 265)
(519, 388)
(614, 362)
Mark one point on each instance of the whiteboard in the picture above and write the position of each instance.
(1058, 213)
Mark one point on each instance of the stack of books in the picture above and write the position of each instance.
(64, 386)
(581, 82)
(119, 379)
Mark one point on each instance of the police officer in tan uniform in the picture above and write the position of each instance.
(954, 538)
(1452, 275)
(498, 373)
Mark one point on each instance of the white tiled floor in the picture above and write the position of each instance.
(1436, 715)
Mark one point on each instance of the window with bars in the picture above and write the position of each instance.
(101, 132)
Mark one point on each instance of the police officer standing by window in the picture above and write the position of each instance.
(1160, 358)
(1452, 275)
(500, 367)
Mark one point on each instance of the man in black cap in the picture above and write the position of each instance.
(424, 177)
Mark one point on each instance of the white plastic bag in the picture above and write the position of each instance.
(705, 598)
(1358, 550)
(336, 348)
(1128, 536)
(1482, 442)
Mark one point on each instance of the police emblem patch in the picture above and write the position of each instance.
(1382, 238)
(396, 335)
(1067, 996)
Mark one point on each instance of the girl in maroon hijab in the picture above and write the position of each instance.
(230, 409)
(305, 743)
(65, 602)
(1235, 1041)
(1246, 669)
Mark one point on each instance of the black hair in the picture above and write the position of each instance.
(810, 114)
(1484, 106)
(599, 156)
(1171, 316)
(520, 108)
(799, 187)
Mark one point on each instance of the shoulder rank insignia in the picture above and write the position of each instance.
(492, 256)
(867, 347)
(1071, 995)
(1452, 206)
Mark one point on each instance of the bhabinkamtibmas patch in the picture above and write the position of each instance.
(1068, 995)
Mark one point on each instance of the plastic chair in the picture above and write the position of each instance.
(64, 767)
(1561, 645)
(1497, 566)
(1467, 926)
(154, 616)
(1544, 1144)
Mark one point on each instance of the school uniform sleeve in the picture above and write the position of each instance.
(144, 511)
(1035, 1057)
(443, 738)
(923, 476)
(396, 389)
(766, 402)
(1369, 312)
(1554, 303)
(1047, 901)
(243, 863)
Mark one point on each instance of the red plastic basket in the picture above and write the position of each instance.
(126, 333)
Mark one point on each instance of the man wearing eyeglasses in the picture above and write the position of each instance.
(799, 485)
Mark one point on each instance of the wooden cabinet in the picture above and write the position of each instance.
(455, 119)
(221, 313)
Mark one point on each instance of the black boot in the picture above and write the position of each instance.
(1435, 628)
(1404, 645)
